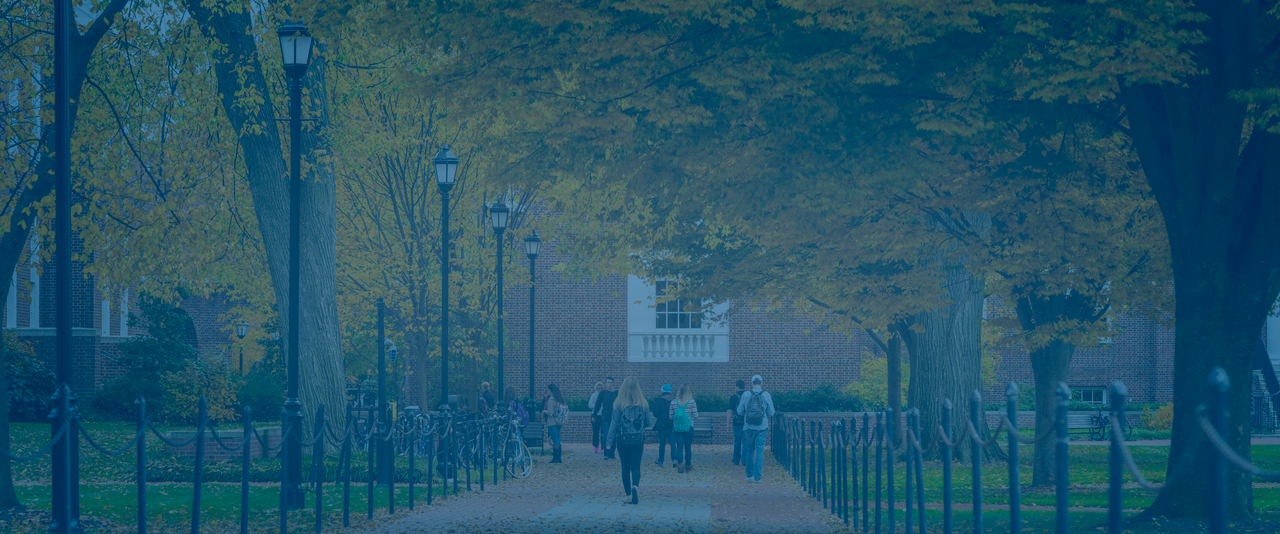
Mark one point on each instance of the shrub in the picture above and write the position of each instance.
(577, 404)
(1158, 419)
(261, 389)
(824, 398)
(873, 387)
(31, 383)
(164, 369)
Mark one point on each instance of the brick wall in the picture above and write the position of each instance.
(231, 438)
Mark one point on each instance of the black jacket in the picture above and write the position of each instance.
(661, 408)
(604, 404)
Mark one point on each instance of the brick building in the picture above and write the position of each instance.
(587, 330)
(99, 321)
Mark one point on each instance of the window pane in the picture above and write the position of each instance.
(695, 320)
(662, 288)
(662, 320)
(684, 320)
(662, 307)
(677, 305)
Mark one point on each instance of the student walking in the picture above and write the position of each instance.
(660, 407)
(682, 412)
(629, 417)
(595, 421)
(604, 410)
(735, 421)
(756, 407)
(555, 415)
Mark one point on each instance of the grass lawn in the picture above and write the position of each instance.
(109, 495)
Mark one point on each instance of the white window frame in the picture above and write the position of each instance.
(648, 343)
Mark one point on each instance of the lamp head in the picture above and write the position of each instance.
(242, 329)
(532, 244)
(446, 168)
(498, 214)
(295, 48)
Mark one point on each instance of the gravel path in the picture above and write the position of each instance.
(584, 494)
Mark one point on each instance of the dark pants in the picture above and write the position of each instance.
(595, 432)
(604, 431)
(683, 442)
(737, 443)
(630, 457)
(664, 438)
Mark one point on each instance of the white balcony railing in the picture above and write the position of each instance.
(678, 347)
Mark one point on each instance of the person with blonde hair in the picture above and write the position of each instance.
(629, 419)
(595, 421)
(683, 411)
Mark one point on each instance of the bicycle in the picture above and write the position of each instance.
(1101, 426)
(516, 458)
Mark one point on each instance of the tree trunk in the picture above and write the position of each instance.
(238, 73)
(8, 497)
(1049, 365)
(946, 358)
(893, 359)
(1215, 172)
(1216, 329)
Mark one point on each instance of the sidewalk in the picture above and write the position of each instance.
(584, 494)
(1268, 440)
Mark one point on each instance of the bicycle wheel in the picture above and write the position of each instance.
(1126, 427)
(1104, 428)
(518, 461)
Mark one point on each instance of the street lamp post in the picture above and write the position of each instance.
(66, 447)
(531, 245)
(242, 329)
(384, 457)
(295, 49)
(498, 214)
(446, 172)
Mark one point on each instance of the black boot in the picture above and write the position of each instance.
(555, 455)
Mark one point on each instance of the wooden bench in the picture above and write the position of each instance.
(1082, 424)
(535, 434)
(704, 429)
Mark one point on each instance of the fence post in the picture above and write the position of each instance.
(372, 445)
(413, 470)
(246, 458)
(909, 463)
(142, 464)
(976, 418)
(346, 472)
(1062, 476)
(948, 436)
(199, 464)
(867, 436)
(1015, 485)
(317, 465)
(915, 425)
(821, 474)
(391, 469)
(431, 464)
(1115, 505)
(891, 435)
(1219, 383)
(879, 461)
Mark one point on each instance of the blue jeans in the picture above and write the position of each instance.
(737, 443)
(664, 437)
(554, 432)
(754, 455)
(682, 450)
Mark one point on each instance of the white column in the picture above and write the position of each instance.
(11, 305)
(124, 312)
(34, 313)
(106, 317)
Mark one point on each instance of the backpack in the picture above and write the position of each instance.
(562, 413)
(754, 414)
(522, 416)
(631, 427)
(682, 421)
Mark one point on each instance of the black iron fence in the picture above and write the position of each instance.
(456, 444)
(823, 456)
